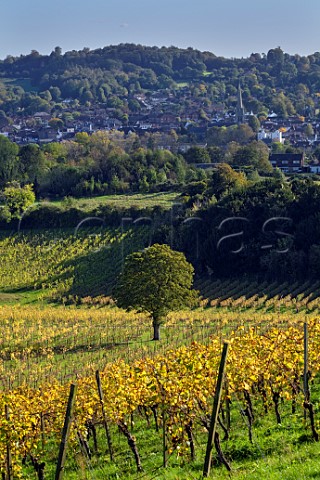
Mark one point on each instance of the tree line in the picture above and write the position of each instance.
(93, 165)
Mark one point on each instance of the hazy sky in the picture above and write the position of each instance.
(232, 28)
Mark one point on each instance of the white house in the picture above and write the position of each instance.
(270, 136)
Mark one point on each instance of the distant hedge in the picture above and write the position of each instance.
(52, 216)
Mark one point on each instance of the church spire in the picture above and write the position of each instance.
(240, 113)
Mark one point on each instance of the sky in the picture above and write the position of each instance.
(230, 28)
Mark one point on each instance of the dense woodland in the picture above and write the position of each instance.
(267, 228)
(277, 81)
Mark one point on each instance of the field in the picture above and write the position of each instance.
(139, 200)
(59, 326)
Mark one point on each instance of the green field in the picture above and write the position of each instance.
(139, 200)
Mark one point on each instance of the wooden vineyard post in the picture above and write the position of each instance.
(43, 438)
(307, 403)
(105, 422)
(228, 418)
(305, 367)
(65, 433)
(164, 437)
(8, 452)
(215, 410)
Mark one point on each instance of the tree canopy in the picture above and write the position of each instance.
(156, 281)
(16, 200)
(114, 74)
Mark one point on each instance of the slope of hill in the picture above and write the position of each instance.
(63, 264)
(117, 75)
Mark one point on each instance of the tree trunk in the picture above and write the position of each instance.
(156, 329)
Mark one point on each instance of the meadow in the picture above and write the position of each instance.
(139, 200)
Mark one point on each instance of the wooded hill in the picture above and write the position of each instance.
(276, 81)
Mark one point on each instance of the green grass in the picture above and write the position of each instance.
(140, 200)
(10, 298)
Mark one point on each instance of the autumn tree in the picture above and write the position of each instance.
(224, 179)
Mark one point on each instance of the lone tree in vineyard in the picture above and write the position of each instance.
(157, 281)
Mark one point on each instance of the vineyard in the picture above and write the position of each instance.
(263, 296)
(169, 395)
(141, 408)
(62, 263)
(41, 343)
